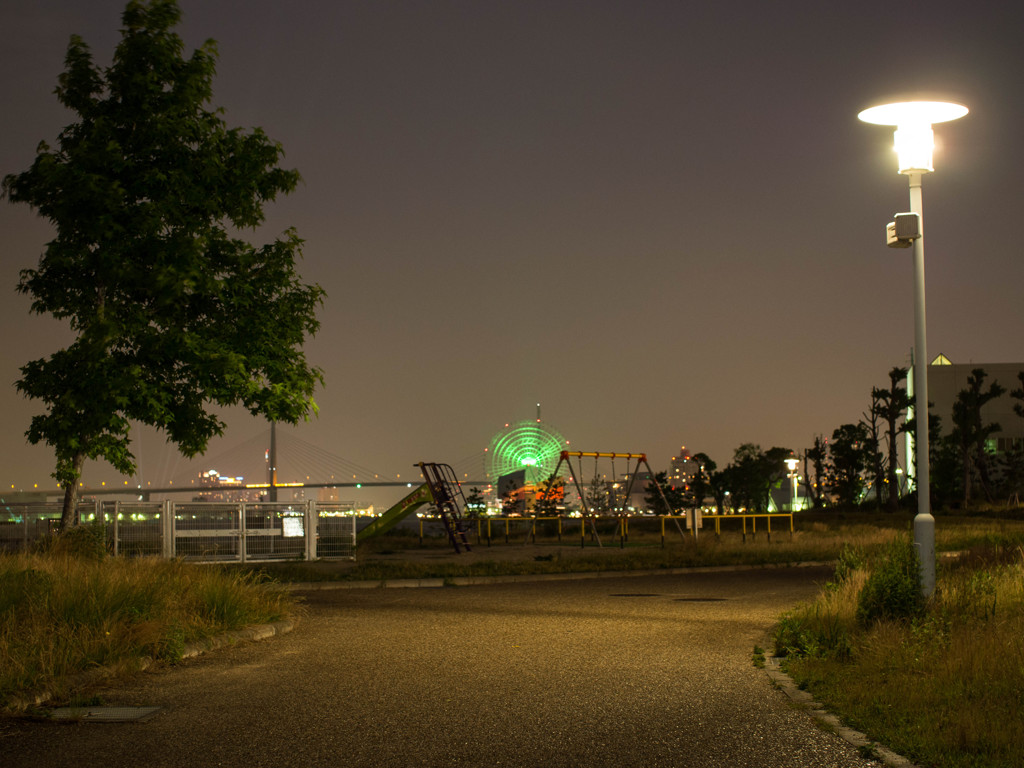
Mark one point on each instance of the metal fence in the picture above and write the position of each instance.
(197, 530)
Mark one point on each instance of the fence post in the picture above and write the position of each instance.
(167, 529)
(312, 528)
(117, 515)
(243, 543)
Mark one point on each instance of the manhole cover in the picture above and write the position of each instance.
(699, 600)
(105, 714)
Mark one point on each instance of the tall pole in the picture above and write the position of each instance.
(272, 467)
(914, 142)
(924, 523)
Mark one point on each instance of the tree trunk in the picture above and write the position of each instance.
(981, 462)
(68, 516)
(966, 456)
(892, 501)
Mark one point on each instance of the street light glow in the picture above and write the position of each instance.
(914, 139)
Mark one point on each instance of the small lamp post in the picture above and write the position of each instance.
(914, 143)
(791, 463)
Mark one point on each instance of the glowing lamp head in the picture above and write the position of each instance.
(914, 137)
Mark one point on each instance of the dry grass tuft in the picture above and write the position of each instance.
(62, 615)
(946, 689)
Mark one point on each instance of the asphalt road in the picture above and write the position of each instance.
(631, 671)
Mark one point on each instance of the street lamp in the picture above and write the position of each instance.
(914, 141)
(791, 464)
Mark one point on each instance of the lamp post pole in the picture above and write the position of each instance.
(914, 143)
(924, 522)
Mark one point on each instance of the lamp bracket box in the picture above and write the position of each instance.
(903, 231)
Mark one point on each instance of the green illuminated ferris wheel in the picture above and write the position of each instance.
(525, 445)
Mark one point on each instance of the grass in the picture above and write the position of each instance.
(818, 539)
(63, 615)
(945, 687)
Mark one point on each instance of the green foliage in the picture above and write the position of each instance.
(598, 496)
(852, 558)
(700, 485)
(82, 541)
(891, 405)
(752, 475)
(758, 657)
(893, 590)
(817, 456)
(666, 502)
(550, 495)
(171, 311)
(969, 432)
(818, 635)
(475, 504)
(850, 454)
(60, 614)
(943, 689)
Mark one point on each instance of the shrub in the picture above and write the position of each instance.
(893, 589)
(87, 542)
(825, 627)
(851, 559)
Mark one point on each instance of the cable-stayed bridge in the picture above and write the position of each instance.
(273, 460)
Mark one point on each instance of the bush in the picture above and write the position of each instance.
(825, 627)
(87, 541)
(893, 590)
(851, 559)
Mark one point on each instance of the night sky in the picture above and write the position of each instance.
(660, 220)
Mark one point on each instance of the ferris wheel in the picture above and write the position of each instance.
(524, 445)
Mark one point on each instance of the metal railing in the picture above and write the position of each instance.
(199, 531)
(527, 528)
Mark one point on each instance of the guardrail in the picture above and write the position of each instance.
(753, 517)
(488, 529)
(199, 531)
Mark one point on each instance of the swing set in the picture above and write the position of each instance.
(616, 500)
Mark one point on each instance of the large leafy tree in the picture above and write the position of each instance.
(172, 312)
(753, 473)
(850, 456)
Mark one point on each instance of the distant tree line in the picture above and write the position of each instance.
(859, 464)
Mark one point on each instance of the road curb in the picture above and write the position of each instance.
(251, 634)
(255, 633)
(471, 581)
(816, 710)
